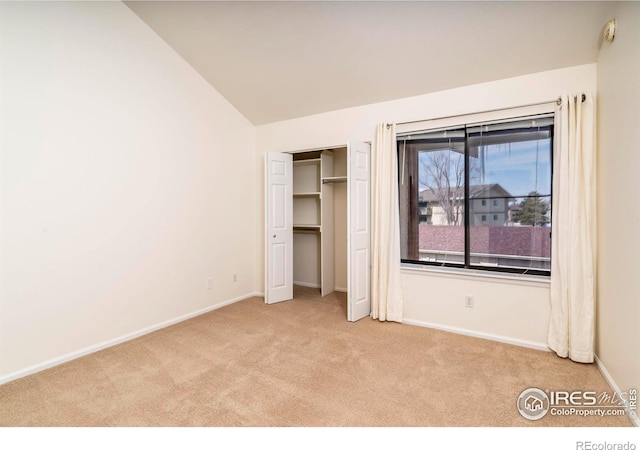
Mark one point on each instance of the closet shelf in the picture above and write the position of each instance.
(303, 226)
(306, 194)
(329, 180)
(305, 231)
(300, 162)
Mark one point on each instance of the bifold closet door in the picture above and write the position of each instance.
(278, 227)
(359, 230)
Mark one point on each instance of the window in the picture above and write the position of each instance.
(452, 179)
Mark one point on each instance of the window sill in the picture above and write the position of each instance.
(471, 274)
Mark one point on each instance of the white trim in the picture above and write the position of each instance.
(471, 274)
(311, 285)
(475, 118)
(340, 289)
(612, 384)
(479, 334)
(318, 149)
(115, 341)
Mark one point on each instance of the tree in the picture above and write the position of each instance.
(442, 172)
(533, 211)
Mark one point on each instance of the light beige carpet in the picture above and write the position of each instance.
(298, 363)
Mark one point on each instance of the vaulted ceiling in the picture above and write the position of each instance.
(280, 60)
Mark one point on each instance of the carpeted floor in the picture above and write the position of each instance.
(298, 363)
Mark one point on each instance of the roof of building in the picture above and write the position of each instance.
(475, 191)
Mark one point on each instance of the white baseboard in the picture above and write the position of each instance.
(478, 334)
(119, 340)
(612, 384)
(311, 285)
(340, 289)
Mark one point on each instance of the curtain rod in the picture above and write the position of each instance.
(557, 101)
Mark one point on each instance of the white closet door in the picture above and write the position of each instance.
(359, 230)
(279, 227)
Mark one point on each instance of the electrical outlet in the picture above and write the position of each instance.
(468, 301)
(209, 283)
(235, 277)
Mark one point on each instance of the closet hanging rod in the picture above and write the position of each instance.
(557, 101)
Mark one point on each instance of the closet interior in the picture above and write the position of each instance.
(320, 220)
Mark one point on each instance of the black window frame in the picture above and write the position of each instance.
(467, 225)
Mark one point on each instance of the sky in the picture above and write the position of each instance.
(519, 167)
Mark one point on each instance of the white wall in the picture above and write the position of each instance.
(306, 259)
(618, 308)
(124, 176)
(504, 308)
(519, 312)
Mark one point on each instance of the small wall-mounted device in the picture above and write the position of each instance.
(609, 31)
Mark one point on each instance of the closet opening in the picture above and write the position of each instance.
(320, 220)
(318, 225)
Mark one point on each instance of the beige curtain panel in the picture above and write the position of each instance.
(571, 326)
(386, 291)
